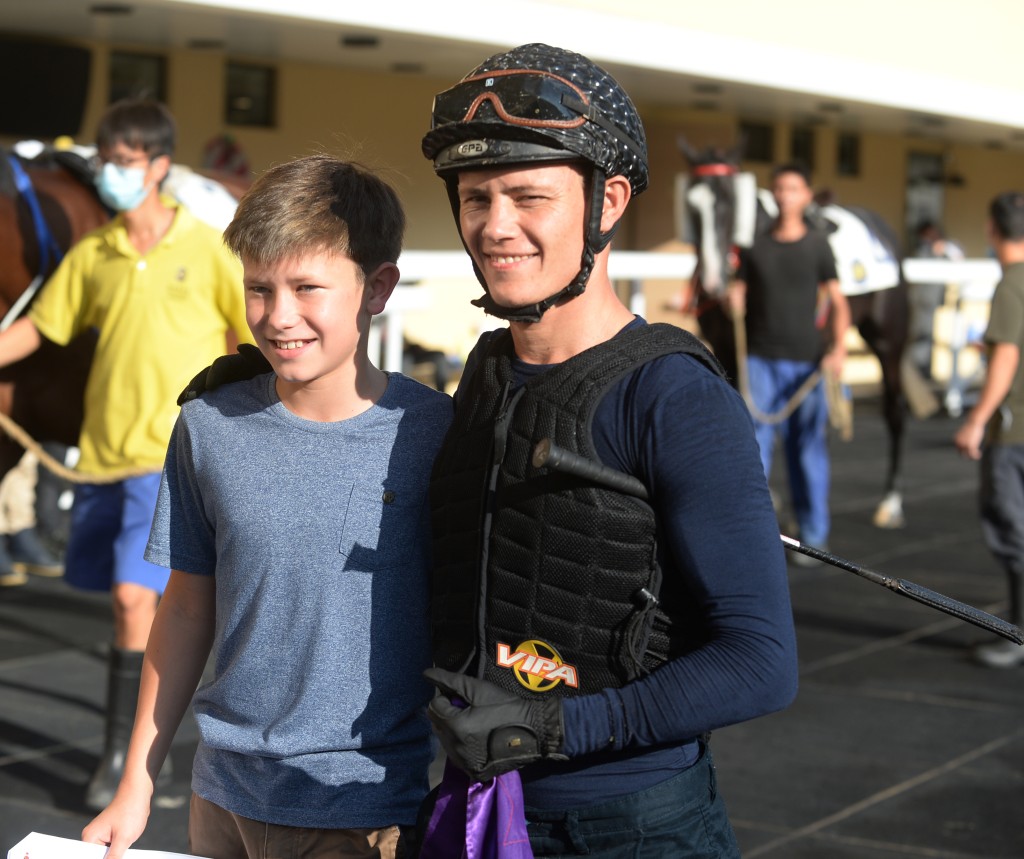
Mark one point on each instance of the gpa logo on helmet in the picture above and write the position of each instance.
(537, 666)
(471, 148)
(860, 272)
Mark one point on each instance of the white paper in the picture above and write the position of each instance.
(35, 845)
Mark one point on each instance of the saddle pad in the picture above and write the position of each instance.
(863, 263)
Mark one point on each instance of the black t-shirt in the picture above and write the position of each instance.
(782, 293)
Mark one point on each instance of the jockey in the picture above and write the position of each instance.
(584, 638)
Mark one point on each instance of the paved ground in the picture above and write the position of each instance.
(896, 747)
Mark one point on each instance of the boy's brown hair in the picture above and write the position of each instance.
(318, 204)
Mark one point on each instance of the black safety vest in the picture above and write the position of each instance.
(544, 581)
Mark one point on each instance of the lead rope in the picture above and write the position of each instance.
(58, 468)
(791, 405)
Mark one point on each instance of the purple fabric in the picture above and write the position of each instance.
(477, 820)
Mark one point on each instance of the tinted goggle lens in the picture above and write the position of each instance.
(523, 97)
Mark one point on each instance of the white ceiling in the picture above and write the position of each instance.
(233, 26)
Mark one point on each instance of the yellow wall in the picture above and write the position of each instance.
(881, 185)
(376, 119)
(380, 119)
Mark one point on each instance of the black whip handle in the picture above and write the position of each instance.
(547, 454)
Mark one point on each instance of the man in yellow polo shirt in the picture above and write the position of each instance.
(163, 292)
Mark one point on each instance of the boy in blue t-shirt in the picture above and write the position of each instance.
(292, 513)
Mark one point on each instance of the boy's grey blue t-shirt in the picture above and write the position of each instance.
(318, 537)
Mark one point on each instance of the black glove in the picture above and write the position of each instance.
(495, 731)
(246, 364)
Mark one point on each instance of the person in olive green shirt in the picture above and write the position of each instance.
(994, 430)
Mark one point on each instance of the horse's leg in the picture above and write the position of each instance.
(883, 327)
(717, 331)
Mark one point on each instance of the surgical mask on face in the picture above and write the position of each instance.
(122, 188)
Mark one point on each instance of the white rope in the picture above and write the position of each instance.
(22, 301)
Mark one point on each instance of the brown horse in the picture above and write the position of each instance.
(727, 210)
(44, 392)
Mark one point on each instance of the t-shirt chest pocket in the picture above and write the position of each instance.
(382, 528)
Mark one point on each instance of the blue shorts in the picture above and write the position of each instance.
(110, 526)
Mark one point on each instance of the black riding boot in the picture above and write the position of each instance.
(125, 672)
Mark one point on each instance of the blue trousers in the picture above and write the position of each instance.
(681, 817)
(804, 437)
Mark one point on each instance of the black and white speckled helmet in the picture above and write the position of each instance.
(555, 103)
(532, 104)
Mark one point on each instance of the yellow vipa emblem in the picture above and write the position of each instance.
(537, 666)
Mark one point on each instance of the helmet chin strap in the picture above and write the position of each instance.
(594, 241)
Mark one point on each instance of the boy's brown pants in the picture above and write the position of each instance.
(219, 834)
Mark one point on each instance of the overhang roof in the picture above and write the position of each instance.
(660, 62)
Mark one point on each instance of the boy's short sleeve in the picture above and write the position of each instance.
(182, 536)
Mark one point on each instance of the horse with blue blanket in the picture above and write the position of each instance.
(46, 204)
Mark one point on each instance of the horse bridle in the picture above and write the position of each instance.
(48, 245)
(715, 169)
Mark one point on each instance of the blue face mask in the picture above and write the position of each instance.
(122, 188)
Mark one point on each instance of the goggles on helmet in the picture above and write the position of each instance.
(534, 99)
(528, 98)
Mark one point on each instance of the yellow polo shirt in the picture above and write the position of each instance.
(162, 316)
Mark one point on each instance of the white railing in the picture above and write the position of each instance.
(974, 280)
(633, 266)
(387, 339)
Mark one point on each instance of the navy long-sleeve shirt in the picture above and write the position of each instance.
(687, 435)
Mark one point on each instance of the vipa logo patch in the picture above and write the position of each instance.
(537, 666)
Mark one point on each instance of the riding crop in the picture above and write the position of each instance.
(547, 454)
